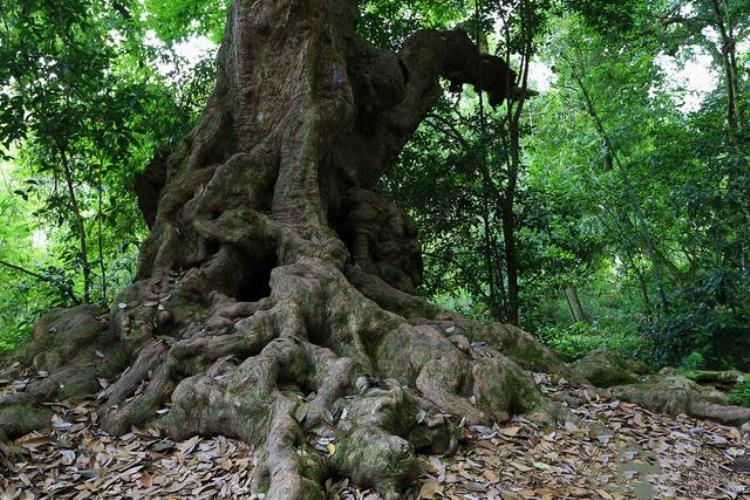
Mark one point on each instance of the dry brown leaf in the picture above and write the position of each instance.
(430, 490)
(511, 431)
(521, 467)
(146, 481)
(491, 475)
(638, 420)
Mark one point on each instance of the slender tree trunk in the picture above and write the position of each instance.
(502, 305)
(574, 303)
(80, 224)
(489, 242)
(511, 266)
(487, 192)
(513, 117)
(100, 235)
(729, 58)
(508, 217)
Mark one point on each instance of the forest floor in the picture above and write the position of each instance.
(605, 449)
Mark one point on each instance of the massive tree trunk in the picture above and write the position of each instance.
(272, 301)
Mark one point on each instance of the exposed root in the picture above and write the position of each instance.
(148, 359)
(119, 419)
(666, 392)
(313, 364)
(513, 342)
(316, 361)
(71, 349)
(675, 394)
(325, 361)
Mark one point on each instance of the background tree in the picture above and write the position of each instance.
(619, 185)
(83, 108)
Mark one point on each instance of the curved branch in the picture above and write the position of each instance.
(458, 59)
(395, 97)
(46, 279)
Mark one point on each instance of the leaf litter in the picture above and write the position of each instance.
(81, 461)
(605, 449)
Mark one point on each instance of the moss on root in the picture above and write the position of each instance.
(375, 459)
(21, 418)
(604, 368)
(71, 349)
(676, 394)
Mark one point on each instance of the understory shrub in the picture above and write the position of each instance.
(577, 340)
(740, 393)
(709, 317)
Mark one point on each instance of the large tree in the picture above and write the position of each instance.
(273, 300)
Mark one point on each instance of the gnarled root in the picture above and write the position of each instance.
(70, 351)
(338, 369)
(322, 379)
(675, 394)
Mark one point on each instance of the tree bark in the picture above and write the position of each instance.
(80, 223)
(272, 300)
(516, 101)
(574, 303)
(729, 60)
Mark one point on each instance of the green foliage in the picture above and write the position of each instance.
(388, 22)
(740, 394)
(609, 16)
(710, 319)
(693, 361)
(174, 21)
(625, 194)
(579, 339)
(82, 109)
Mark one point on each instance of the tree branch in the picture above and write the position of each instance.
(46, 279)
(394, 101)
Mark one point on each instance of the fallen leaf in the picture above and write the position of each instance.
(520, 466)
(430, 489)
(491, 475)
(511, 431)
